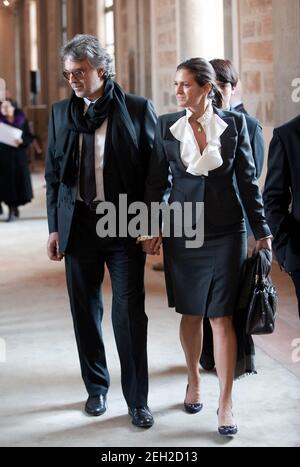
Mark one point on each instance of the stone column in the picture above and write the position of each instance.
(122, 42)
(201, 29)
(286, 39)
(8, 24)
(75, 18)
(133, 46)
(144, 43)
(181, 30)
(90, 17)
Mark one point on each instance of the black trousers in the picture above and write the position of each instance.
(296, 279)
(85, 260)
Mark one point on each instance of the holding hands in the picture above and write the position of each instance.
(152, 246)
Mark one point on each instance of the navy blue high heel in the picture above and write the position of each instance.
(227, 430)
(192, 408)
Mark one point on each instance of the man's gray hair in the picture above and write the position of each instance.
(87, 47)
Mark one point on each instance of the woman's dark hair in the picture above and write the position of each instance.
(203, 73)
(225, 71)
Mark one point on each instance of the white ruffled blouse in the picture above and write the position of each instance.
(210, 159)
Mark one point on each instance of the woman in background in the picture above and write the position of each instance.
(15, 182)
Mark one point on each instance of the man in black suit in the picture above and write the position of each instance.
(236, 102)
(227, 80)
(282, 198)
(99, 147)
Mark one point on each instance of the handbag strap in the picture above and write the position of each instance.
(263, 265)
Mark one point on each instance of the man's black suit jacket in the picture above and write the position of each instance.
(120, 176)
(282, 193)
(256, 140)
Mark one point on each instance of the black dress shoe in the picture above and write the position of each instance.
(96, 405)
(141, 417)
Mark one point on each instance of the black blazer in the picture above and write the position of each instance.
(256, 140)
(222, 207)
(282, 193)
(120, 176)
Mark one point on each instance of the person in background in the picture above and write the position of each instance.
(227, 81)
(15, 180)
(282, 198)
(236, 100)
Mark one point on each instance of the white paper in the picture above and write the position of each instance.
(9, 134)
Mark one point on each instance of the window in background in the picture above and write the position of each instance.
(64, 22)
(33, 36)
(109, 28)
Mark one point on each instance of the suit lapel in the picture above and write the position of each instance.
(172, 145)
(230, 131)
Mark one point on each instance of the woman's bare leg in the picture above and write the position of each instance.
(225, 349)
(191, 340)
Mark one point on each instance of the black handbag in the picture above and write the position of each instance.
(261, 311)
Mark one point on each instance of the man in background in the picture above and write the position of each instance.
(282, 198)
(227, 80)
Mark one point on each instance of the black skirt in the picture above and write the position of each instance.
(205, 281)
(15, 180)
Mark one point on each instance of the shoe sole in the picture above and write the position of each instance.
(95, 414)
(148, 425)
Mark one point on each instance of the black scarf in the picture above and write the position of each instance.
(120, 132)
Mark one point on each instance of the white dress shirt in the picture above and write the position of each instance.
(210, 159)
(100, 137)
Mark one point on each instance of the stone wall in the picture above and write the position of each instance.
(286, 20)
(256, 58)
(164, 53)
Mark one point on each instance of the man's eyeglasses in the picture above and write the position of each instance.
(77, 74)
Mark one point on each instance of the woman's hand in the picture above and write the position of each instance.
(18, 141)
(152, 247)
(264, 243)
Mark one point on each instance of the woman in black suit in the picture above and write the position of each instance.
(15, 181)
(197, 152)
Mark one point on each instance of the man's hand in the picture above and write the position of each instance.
(152, 247)
(264, 243)
(53, 247)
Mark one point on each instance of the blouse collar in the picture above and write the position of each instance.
(210, 159)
